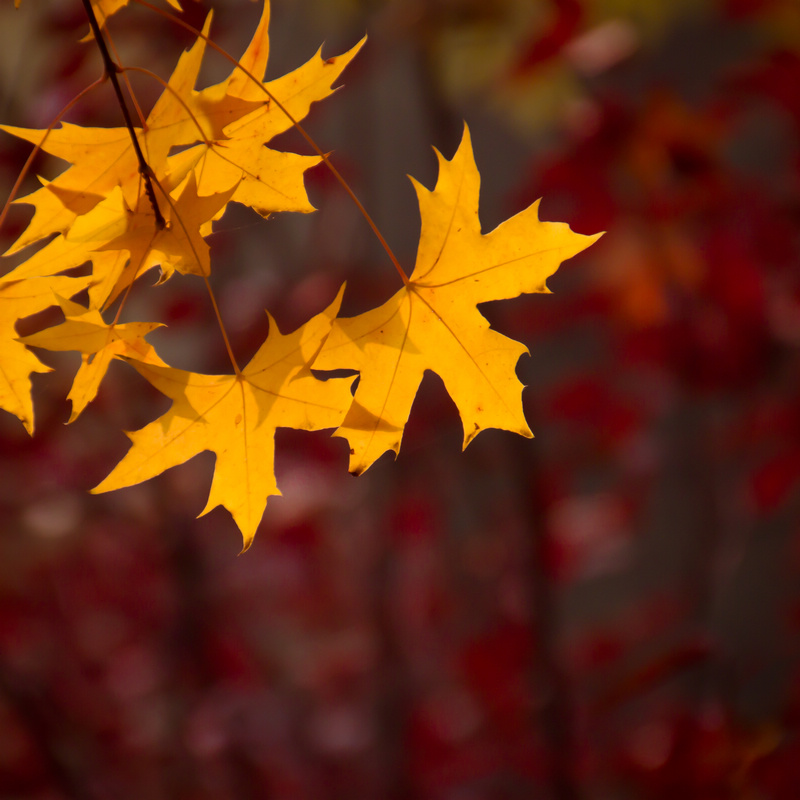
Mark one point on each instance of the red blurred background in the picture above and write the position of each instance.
(608, 611)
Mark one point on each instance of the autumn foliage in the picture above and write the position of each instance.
(136, 199)
(609, 610)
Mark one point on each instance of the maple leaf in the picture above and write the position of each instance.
(236, 416)
(20, 299)
(78, 244)
(224, 129)
(123, 244)
(238, 117)
(185, 115)
(85, 330)
(178, 246)
(101, 158)
(432, 323)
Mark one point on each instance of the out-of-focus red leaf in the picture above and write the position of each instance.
(741, 9)
(652, 674)
(589, 400)
(566, 20)
(772, 482)
(495, 667)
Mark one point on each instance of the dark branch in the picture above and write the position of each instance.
(112, 70)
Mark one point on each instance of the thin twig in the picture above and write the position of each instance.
(175, 96)
(24, 171)
(217, 313)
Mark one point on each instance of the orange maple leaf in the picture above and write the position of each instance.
(179, 246)
(101, 158)
(20, 299)
(225, 128)
(236, 416)
(432, 323)
(103, 210)
(239, 116)
(123, 244)
(85, 331)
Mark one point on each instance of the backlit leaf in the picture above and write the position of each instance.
(433, 323)
(236, 416)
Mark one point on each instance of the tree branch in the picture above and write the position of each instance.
(112, 69)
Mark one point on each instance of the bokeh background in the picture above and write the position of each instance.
(609, 611)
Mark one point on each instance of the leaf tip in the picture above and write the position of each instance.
(333, 309)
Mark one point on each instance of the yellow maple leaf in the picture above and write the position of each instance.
(224, 129)
(79, 243)
(122, 244)
(432, 323)
(238, 118)
(85, 331)
(202, 115)
(182, 115)
(20, 299)
(236, 416)
(101, 158)
(179, 246)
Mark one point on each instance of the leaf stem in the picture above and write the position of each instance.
(228, 347)
(211, 295)
(112, 69)
(301, 130)
(178, 99)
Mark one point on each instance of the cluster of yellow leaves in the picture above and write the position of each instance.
(99, 212)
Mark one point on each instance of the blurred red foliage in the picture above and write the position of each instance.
(608, 611)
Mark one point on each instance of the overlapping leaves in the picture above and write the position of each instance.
(100, 211)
